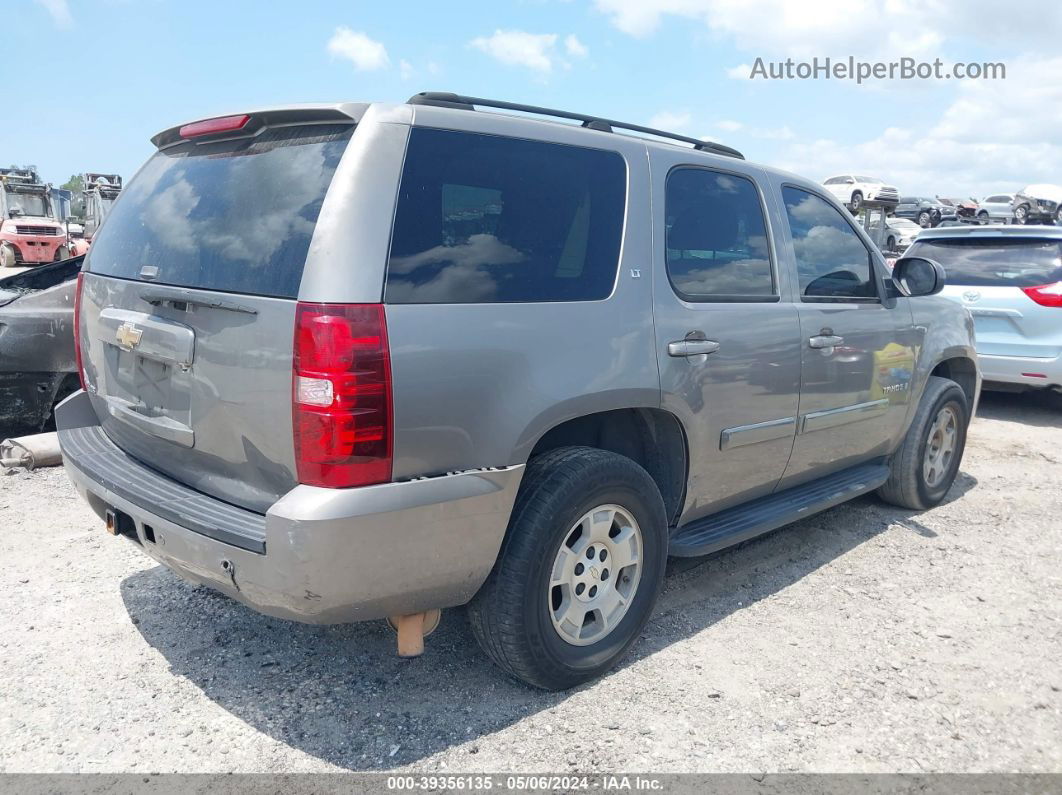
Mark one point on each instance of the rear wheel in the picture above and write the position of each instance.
(857, 201)
(1021, 214)
(925, 466)
(579, 571)
(983, 216)
(1058, 215)
(62, 253)
(925, 220)
(7, 257)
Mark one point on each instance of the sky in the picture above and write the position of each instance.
(93, 80)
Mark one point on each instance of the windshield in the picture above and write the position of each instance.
(31, 204)
(995, 262)
(235, 216)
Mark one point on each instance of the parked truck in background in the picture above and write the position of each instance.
(29, 232)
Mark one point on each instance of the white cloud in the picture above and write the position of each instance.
(739, 72)
(574, 47)
(59, 12)
(519, 48)
(366, 54)
(405, 69)
(863, 28)
(729, 125)
(980, 144)
(536, 51)
(670, 121)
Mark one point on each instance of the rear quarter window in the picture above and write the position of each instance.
(234, 216)
(490, 219)
(997, 262)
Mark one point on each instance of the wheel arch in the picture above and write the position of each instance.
(652, 437)
(963, 371)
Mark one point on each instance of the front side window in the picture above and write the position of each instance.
(716, 236)
(832, 261)
(489, 219)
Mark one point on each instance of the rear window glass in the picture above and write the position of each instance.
(235, 216)
(485, 219)
(998, 262)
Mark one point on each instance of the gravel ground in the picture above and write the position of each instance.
(865, 639)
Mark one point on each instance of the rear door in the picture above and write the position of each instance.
(189, 299)
(857, 362)
(728, 343)
(995, 275)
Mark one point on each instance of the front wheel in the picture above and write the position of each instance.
(62, 253)
(924, 467)
(1021, 214)
(7, 257)
(857, 201)
(925, 220)
(579, 570)
(983, 217)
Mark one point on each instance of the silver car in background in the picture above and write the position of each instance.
(997, 207)
(1010, 279)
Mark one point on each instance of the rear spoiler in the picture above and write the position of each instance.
(257, 120)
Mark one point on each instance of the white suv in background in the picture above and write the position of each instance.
(852, 190)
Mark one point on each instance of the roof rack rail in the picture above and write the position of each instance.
(447, 100)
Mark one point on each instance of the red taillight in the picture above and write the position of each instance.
(341, 394)
(77, 329)
(208, 126)
(1047, 295)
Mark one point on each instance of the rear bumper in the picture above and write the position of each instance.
(1034, 372)
(325, 555)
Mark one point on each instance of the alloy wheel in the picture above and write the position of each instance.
(940, 446)
(595, 575)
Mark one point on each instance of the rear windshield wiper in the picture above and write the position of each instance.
(159, 298)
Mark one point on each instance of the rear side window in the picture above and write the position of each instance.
(234, 216)
(716, 236)
(488, 219)
(1002, 262)
(832, 261)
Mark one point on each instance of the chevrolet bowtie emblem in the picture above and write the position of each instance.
(128, 336)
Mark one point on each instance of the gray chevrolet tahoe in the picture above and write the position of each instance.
(354, 361)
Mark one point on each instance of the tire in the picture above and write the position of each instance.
(925, 220)
(513, 616)
(61, 253)
(908, 485)
(1021, 214)
(890, 244)
(7, 257)
(1058, 215)
(982, 217)
(857, 201)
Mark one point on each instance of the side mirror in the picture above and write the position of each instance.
(849, 181)
(917, 276)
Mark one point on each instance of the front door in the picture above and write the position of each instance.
(857, 369)
(728, 346)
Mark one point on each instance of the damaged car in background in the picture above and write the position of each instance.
(1038, 204)
(37, 364)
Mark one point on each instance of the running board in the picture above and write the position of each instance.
(735, 525)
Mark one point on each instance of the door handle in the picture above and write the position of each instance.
(692, 347)
(825, 341)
